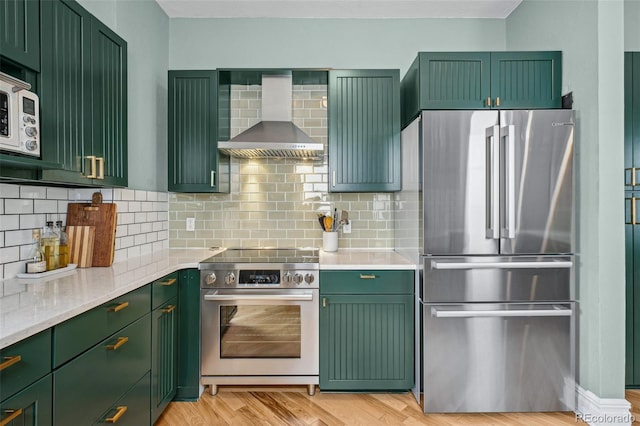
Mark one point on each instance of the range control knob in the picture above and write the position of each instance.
(31, 145)
(309, 278)
(297, 278)
(230, 278)
(286, 278)
(210, 278)
(31, 131)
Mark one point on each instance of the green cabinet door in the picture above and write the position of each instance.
(65, 89)
(188, 335)
(364, 130)
(109, 105)
(366, 342)
(132, 409)
(20, 34)
(523, 80)
(194, 162)
(32, 406)
(164, 356)
(24, 362)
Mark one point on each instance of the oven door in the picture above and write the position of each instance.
(248, 332)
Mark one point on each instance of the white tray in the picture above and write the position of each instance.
(69, 267)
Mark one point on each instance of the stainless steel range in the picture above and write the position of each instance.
(259, 318)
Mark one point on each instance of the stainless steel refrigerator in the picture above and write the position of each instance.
(497, 293)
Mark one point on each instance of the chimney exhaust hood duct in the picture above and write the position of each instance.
(275, 136)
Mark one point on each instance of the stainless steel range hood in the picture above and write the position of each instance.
(275, 136)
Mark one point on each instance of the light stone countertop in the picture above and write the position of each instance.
(350, 259)
(28, 306)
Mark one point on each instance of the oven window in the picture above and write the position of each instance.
(254, 331)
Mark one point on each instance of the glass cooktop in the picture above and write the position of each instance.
(265, 255)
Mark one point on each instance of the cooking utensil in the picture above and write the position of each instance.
(321, 220)
(328, 223)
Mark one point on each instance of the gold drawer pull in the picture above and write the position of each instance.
(9, 361)
(168, 309)
(633, 211)
(169, 282)
(12, 415)
(367, 277)
(121, 410)
(119, 307)
(121, 341)
(324, 302)
(633, 176)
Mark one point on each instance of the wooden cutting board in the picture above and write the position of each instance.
(103, 217)
(81, 240)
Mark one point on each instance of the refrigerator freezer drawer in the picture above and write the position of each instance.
(499, 357)
(497, 279)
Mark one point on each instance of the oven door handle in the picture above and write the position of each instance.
(258, 298)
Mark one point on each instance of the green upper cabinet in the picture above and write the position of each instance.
(194, 162)
(83, 89)
(109, 104)
(632, 120)
(20, 34)
(482, 80)
(364, 130)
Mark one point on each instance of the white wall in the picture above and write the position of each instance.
(322, 43)
(145, 27)
(590, 34)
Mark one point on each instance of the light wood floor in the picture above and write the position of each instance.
(292, 406)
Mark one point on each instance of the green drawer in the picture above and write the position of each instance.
(86, 387)
(24, 362)
(133, 408)
(31, 406)
(367, 281)
(78, 334)
(164, 289)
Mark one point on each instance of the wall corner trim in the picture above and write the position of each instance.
(597, 411)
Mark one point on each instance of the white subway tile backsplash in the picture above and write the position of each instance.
(18, 206)
(23, 208)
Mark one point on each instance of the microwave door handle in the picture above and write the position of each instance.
(258, 298)
(554, 311)
(554, 264)
(492, 182)
(507, 133)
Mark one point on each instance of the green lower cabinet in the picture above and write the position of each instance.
(87, 386)
(24, 363)
(164, 356)
(366, 342)
(132, 409)
(31, 406)
(188, 335)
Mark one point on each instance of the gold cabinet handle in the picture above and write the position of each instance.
(489, 102)
(9, 361)
(93, 160)
(633, 175)
(121, 410)
(498, 101)
(168, 282)
(367, 277)
(12, 415)
(633, 211)
(119, 307)
(324, 302)
(168, 309)
(100, 161)
(121, 341)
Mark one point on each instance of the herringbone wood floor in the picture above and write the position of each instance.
(292, 406)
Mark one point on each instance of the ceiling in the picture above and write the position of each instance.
(338, 8)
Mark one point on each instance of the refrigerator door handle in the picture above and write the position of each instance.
(492, 183)
(501, 265)
(508, 134)
(554, 311)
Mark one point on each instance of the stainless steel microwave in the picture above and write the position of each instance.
(19, 117)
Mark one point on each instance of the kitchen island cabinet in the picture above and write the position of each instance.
(83, 89)
(366, 330)
(31, 406)
(482, 80)
(195, 165)
(364, 130)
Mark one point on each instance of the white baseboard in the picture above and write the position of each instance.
(597, 411)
